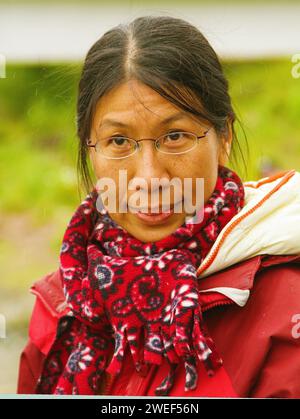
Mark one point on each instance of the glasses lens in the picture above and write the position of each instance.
(116, 147)
(177, 142)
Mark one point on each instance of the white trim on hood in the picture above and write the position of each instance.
(269, 223)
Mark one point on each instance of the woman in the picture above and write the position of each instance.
(159, 299)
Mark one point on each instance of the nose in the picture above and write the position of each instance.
(149, 164)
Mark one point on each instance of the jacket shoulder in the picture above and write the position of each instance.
(265, 333)
(277, 295)
(274, 298)
(30, 367)
(48, 308)
(279, 277)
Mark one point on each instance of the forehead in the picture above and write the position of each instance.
(132, 101)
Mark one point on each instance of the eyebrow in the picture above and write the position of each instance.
(113, 122)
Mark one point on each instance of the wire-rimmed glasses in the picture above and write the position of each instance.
(121, 147)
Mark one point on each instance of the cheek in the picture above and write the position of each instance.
(104, 168)
(113, 188)
(203, 164)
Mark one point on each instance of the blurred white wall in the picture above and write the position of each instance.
(65, 32)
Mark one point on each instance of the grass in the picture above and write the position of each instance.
(268, 99)
(38, 139)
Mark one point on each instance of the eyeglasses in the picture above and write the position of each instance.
(120, 147)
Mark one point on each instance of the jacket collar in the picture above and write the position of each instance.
(236, 281)
(50, 292)
(240, 275)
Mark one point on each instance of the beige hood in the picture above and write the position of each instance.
(269, 223)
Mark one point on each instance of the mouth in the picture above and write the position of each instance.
(157, 210)
(151, 218)
(156, 215)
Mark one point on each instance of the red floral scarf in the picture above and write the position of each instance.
(127, 292)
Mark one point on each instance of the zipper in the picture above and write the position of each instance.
(217, 304)
(108, 381)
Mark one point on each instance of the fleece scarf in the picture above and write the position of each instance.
(126, 292)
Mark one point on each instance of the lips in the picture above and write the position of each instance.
(151, 218)
(157, 210)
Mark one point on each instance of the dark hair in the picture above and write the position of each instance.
(165, 53)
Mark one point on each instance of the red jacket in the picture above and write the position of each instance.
(259, 342)
(249, 287)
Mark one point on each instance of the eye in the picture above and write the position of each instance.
(174, 136)
(118, 141)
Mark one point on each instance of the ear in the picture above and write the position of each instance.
(225, 145)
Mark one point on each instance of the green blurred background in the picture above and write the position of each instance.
(39, 188)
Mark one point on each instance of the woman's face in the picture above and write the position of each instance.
(143, 111)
